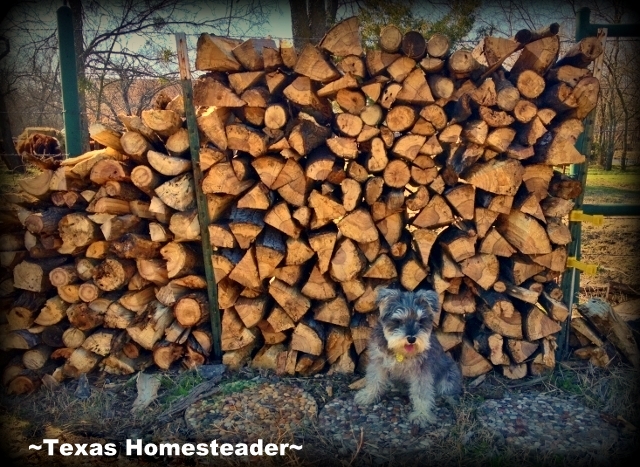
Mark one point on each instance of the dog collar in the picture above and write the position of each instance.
(399, 358)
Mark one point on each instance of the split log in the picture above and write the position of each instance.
(471, 362)
(524, 232)
(609, 324)
(152, 328)
(307, 339)
(312, 63)
(113, 274)
(582, 53)
(538, 325)
(545, 361)
(164, 164)
(291, 301)
(181, 259)
(215, 54)
(34, 275)
(24, 310)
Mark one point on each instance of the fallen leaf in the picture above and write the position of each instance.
(147, 386)
(359, 384)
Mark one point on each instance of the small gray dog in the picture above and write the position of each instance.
(402, 348)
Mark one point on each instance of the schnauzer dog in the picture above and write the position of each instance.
(403, 348)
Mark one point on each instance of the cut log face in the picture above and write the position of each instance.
(291, 301)
(312, 63)
(496, 176)
(358, 226)
(113, 274)
(471, 362)
(505, 326)
(215, 54)
(245, 138)
(77, 231)
(524, 232)
(436, 214)
(305, 339)
(347, 262)
(482, 268)
(538, 325)
(168, 165)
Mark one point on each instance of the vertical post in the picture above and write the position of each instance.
(203, 212)
(583, 17)
(571, 279)
(69, 79)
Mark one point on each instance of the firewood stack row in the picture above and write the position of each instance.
(328, 173)
(112, 276)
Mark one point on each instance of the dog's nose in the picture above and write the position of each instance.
(411, 339)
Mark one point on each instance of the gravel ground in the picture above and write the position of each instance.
(529, 421)
(380, 428)
(546, 423)
(267, 412)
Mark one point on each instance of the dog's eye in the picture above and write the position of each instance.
(395, 322)
(425, 321)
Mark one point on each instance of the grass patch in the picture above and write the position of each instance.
(613, 186)
(180, 388)
(615, 178)
(236, 386)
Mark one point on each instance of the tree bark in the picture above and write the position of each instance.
(310, 20)
(9, 156)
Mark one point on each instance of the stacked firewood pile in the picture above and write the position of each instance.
(110, 271)
(328, 173)
(600, 332)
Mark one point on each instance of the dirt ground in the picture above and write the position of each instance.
(615, 247)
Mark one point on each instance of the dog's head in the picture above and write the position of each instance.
(407, 319)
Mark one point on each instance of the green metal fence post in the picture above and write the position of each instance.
(69, 79)
(586, 29)
(571, 278)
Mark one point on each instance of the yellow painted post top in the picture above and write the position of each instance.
(589, 269)
(578, 215)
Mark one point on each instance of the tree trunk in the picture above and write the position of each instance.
(9, 156)
(310, 20)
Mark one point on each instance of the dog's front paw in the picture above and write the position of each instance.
(422, 419)
(365, 397)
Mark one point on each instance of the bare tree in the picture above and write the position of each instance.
(117, 43)
(619, 87)
(311, 19)
(7, 141)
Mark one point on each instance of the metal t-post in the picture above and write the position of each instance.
(69, 79)
(571, 278)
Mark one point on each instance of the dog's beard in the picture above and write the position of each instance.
(398, 344)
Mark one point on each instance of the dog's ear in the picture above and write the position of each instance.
(428, 299)
(384, 296)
